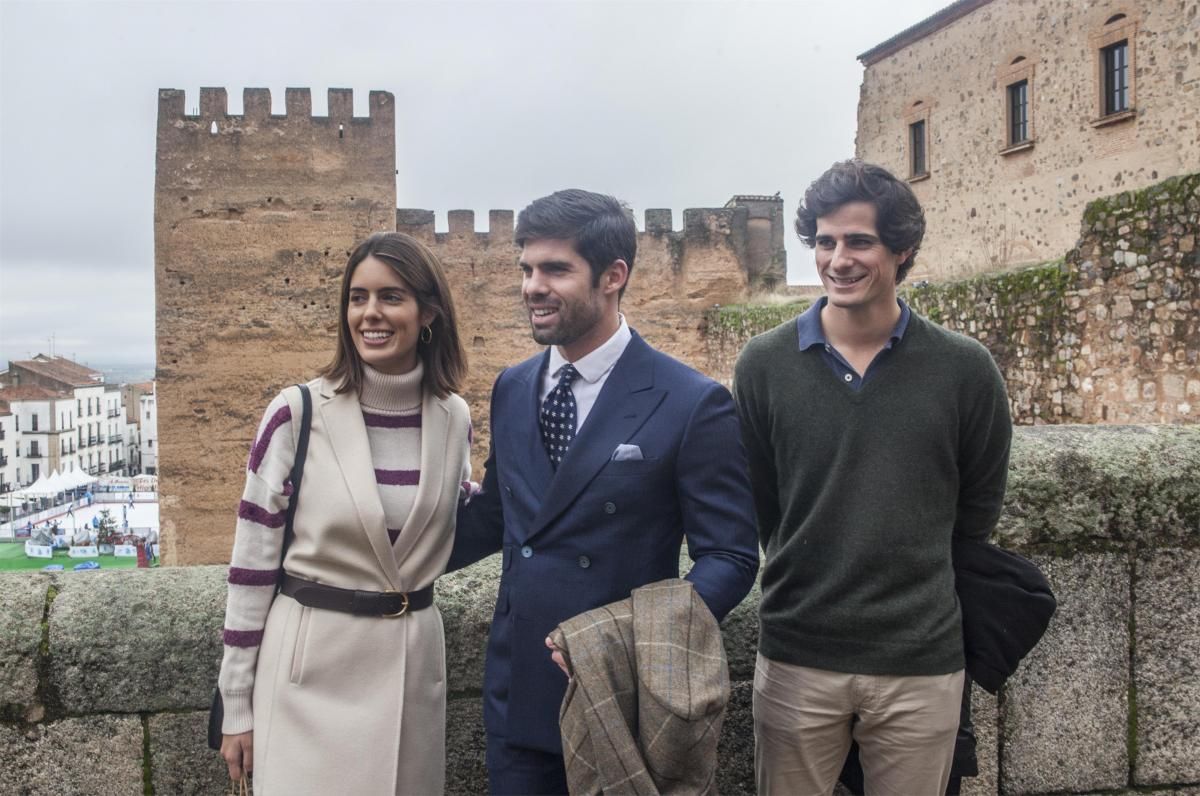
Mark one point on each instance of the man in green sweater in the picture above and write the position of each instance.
(874, 437)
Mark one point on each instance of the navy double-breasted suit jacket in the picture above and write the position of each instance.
(596, 529)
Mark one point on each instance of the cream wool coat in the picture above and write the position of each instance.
(352, 704)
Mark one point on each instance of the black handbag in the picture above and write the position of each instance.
(216, 712)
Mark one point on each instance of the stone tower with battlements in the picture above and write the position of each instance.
(253, 218)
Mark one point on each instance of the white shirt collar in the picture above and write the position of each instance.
(593, 366)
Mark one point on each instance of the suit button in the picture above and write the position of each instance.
(584, 562)
(526, 551)
(610, 508)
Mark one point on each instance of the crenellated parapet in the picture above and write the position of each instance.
(751, 227)
(214, 117)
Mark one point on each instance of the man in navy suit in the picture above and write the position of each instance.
(605, 456)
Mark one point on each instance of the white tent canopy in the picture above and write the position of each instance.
(57, 483)
(39, 488)
(79, 478)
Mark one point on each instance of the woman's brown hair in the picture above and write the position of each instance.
(443, 357)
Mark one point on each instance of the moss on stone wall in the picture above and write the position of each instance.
(1175, 190)
(743, 321)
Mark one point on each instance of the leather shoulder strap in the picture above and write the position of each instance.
(298, 465)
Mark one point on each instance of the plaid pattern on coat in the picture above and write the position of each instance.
(643, 710)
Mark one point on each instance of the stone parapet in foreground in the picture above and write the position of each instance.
(105, 676)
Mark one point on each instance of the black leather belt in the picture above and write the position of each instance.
(352, 601)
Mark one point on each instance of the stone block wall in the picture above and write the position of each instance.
(1109, 334)
(254, 217)
(990, 205)
(106, 675)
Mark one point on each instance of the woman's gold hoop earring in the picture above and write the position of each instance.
(426, 334)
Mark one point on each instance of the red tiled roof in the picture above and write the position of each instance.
(31, 392)
(62, 370)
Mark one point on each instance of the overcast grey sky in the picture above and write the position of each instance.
(664, 104)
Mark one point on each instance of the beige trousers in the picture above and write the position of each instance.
(803, 725)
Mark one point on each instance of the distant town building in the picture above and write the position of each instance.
(1009, 116)
(8, 448)
(44, 430)
(65, 418)
(148, 420)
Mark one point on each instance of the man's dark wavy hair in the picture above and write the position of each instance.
(898, 215)
(601, 226)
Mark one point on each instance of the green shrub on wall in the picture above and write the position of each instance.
(743, 321)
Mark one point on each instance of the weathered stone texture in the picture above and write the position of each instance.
(1100, 485)
(735, 767)
(181, 764)
(144, 640)
(986, 718)
(22, 604)
(1167, 667)
(467, 600)
(1065, 712)
(466, 771)
(987, 210)
(252, 227)
(89, 756)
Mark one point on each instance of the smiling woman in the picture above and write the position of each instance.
(385, 319)
(317, 626)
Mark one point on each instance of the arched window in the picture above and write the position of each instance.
(1114, 44)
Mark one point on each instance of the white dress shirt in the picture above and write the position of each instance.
(593, 371)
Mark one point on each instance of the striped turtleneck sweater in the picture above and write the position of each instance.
(391, 407)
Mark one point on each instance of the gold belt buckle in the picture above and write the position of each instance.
(403, 608)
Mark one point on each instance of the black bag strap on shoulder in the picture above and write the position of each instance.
(216, 711)
(297, 469)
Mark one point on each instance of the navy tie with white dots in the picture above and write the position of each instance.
(558, 416)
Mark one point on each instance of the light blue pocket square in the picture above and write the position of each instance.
(627, 453)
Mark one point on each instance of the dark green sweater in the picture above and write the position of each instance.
(859, 493)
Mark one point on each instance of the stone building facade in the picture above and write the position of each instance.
(1009, 116)
(255, 216)
(87, 431)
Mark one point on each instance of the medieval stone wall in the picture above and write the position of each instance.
(254, 216)
(991, 206)
(105, 677)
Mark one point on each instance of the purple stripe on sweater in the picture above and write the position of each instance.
(392, 421)
(253, 577)
(397, 477)
(242, 638)
(260, 446)
(393, 534)
(253, 513)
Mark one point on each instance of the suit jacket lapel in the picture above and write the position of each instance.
(342, 416)
(627, 399)
(527, 436)
(435, 432)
